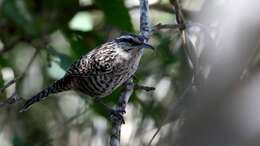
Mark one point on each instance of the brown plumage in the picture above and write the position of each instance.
(101, 71)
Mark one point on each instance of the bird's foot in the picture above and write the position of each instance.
(113, 113)
(118, 113)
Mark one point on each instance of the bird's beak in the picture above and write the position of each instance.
(148, 46)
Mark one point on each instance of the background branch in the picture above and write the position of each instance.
(14, 97)
(176, 110)
(167, 26)
(186, 43)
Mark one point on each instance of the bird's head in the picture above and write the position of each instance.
(132, 42)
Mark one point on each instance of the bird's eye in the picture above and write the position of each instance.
(133, 42)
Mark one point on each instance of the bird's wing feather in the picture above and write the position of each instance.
(97, 62)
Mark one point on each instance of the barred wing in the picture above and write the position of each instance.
(97, 62)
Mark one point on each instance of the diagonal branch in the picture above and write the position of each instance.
(174, 111)
(178, 12)
(21, 75)
(14, 97)
(178, 108)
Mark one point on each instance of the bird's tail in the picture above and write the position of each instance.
(58, 86)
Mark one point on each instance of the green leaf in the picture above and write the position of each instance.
(17, 12)
(166, 56)
(109, 101)
(3, 62)
(83, 42)
(116, 13)
(18, 142)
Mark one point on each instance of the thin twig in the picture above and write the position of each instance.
(14, 97)
(142, 87)
(9, 83)
(174, 111)
(22, 74)
(178, 11)
(11, 42)
(167, 26)
(189, 50)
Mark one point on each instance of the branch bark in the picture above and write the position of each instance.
(145, 31)
(116, 122)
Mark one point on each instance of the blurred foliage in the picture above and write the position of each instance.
(44, 24)
(116, 13)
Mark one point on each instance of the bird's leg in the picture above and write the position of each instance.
(118, 113)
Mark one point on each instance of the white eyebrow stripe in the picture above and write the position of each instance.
(126, 37)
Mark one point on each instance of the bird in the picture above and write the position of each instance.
(98, 73)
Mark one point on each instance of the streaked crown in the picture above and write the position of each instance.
(131, 41)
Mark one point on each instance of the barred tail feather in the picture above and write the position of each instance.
(58, 86)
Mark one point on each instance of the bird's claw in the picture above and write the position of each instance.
(118, 113)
